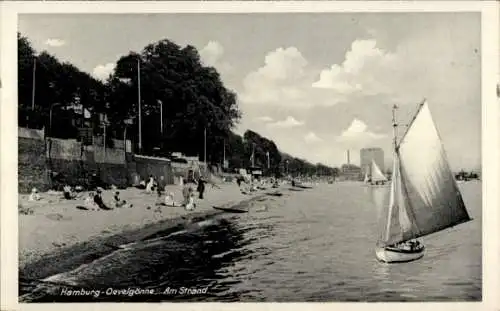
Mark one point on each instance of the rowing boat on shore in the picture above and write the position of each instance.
(230, 209)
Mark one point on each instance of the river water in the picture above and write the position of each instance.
(311, 245)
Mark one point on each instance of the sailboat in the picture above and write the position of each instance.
(377, 176)
(366, 179)
(424, 196)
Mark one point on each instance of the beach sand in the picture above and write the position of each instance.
(57, 236)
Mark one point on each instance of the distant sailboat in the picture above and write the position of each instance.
(377, 176)
(367, 179)
(424, 196)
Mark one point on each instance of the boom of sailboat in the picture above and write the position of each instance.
(424, 196)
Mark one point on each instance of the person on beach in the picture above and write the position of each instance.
(98, 200)
(68, 193)
(201, 187)
(119, 202)
(161, 186)
(34, 196)
(149, 186)
(89, 201)
(239, 180)
(141, 185)
(169, 200)
(188, 190)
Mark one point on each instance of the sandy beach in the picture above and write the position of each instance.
(58, 231)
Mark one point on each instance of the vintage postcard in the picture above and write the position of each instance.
(255, 152)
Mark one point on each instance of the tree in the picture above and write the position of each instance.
(193, 97)
(58, 87)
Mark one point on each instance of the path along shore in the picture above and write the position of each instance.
(58, 237)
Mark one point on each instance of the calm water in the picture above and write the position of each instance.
(312, 245)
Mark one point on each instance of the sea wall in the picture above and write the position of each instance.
(143, 166)
(75, 163)
(39, 155)
(31, 160)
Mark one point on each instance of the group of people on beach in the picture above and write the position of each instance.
(95, 200)
(249, 183)
(188, 189)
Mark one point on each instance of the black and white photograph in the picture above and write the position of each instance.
(209, 156)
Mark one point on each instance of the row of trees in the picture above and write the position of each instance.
(182, 102)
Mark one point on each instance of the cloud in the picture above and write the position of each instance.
(289, 122)
(311, 137)
(102, 72)
(55, 42)
(212, 53)
(265, 119)
(414, 69)
(285, 80)
(282, 80)
(357, 131)
(357, 87)
(363, 63)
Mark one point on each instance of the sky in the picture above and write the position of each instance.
(318, 84)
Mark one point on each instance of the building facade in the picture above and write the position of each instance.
(369, 154)
(350, 172)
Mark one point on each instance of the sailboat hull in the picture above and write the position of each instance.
(392, 255)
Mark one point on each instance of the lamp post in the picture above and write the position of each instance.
(161, 117)
(50, 133)
(139, 102)
(205, 145)
(33, 84)
(224, 153)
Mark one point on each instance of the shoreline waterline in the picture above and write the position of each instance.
(40, 264)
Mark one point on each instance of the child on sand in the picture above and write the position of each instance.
(119, 202)
(34, 196)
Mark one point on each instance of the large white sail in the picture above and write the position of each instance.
(398, 226)
(377, 174)
(424, 195)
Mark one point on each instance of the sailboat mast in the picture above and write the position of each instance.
(393, 177)
(394, 127)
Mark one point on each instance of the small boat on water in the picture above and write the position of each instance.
(424, 196)
(377, 178)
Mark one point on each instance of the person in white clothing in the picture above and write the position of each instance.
(34, 196)
(149, 186)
